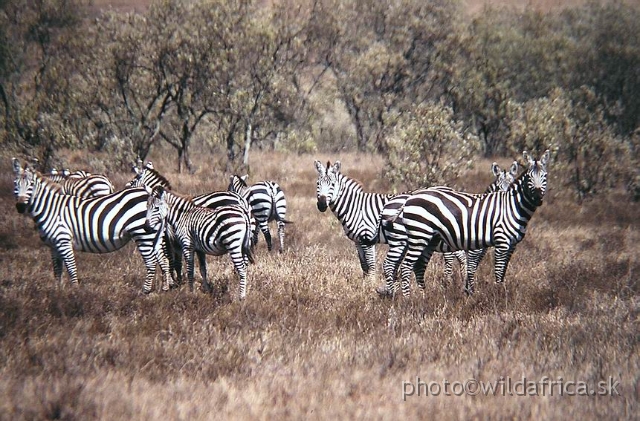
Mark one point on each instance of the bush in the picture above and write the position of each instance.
(589, 157)
(427, 147)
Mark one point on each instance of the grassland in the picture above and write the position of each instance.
(312, 339)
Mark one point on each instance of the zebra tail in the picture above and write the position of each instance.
(246, 241)
(397, 217)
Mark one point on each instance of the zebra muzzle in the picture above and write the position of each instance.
(322, 204)
(21, 207)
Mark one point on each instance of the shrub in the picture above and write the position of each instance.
(427, 147)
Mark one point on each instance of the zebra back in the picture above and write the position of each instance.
(471, 221)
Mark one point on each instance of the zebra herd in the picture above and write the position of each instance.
(416, 224)
(81, 211)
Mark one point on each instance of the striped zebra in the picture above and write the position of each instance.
(359, 214)
(81, 183)
(267, 203)
(226, 229)
(95, 225)
(148, 177)
(397, 233)
(441, 219)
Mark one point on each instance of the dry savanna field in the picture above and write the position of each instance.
(312, 339)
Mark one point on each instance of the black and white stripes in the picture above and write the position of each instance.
(441, 219)
(359, 213)
(267, 203)
(96, 225)
(226, 229)
(81, 183)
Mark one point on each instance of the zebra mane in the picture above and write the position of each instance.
(49, 184)
(161, 177)
(173, 193)
(352, 181)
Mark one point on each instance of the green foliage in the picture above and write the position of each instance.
(427, 147)
(589, 157)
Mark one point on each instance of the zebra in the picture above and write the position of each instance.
(95, 225)
(267, 203)
(225, 229)
(394, 233)
(81, 183)
(359, 214)
(148, 177)
(442, 219)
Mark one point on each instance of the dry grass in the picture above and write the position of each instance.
(312, 340)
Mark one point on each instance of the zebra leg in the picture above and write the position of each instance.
(405, 276)
(174, 254)
(163, 257)
(473, 260)
(503, 255)
(419, 269)
(238, 260)
(264, 227)
(281, 235)
(188, 257)
(395, 256)
(448, 269)
(418, 260)
(57, 266)
(151, 259)
(65, 251)
(206, 287)
(367, 256)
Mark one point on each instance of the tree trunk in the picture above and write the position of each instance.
(247, 146)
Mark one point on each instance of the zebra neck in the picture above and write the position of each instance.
(350, 192)
(177, 206)
(41, 198)
(521, 199)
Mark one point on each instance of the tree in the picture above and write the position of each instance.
(34, 102)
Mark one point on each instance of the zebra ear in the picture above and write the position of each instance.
(514, 168)
(244, 178)
(139, 163)
(16, 166)
(495, 169)
(528, 158)
(34, 164)
(336, 167)
(158, 192)
(545, 158)
(320, 168)
(149, 165)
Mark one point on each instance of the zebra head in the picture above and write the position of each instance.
(535, 183)
(326, 184)
(238, 184)
(157, 210)
(504, 178)
(146, 176)
(23, 185)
